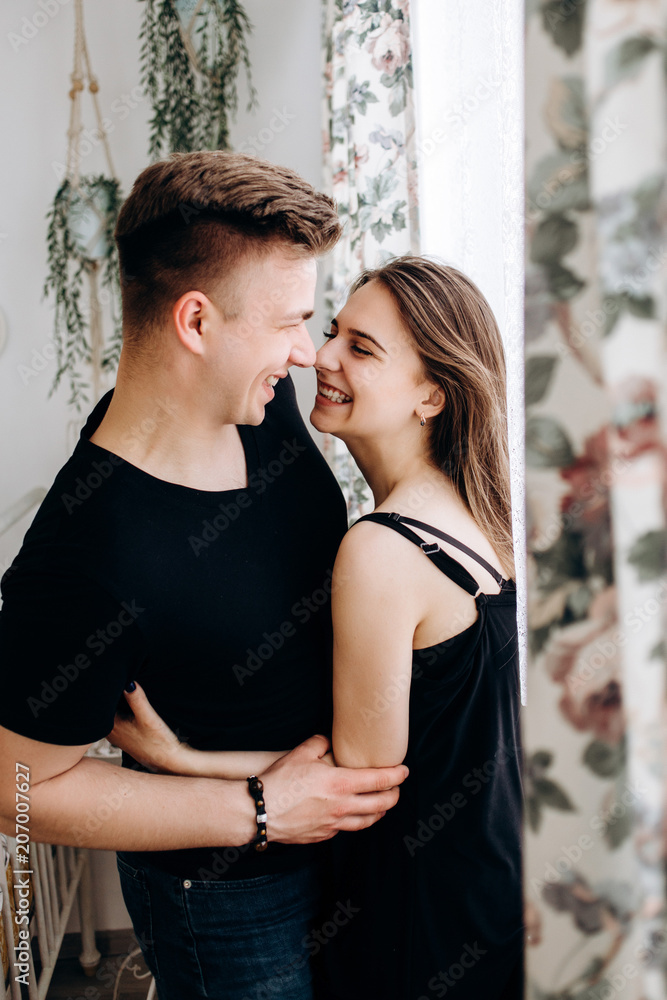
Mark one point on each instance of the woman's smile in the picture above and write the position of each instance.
(330, 395)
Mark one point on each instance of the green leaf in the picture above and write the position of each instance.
(659, 651)
(563, 283)
(604, 760)
(541, 758)
(564, 21)
(552, 795)
(600, 988)
(533, 813)
(619, 828)
(559, 183)
(399, 97)
(627, 58)
(539, 372)
(537, 638)
(649, 555)
(547, 444)
(614, 307)
(642, 306)
(555, 237)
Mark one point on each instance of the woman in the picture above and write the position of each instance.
(412, 379)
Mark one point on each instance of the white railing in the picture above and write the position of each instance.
(59, 876)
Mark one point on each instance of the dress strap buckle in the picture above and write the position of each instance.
(428, 548)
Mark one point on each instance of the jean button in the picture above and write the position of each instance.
(187, 884)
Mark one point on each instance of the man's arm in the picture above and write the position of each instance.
(90, 803)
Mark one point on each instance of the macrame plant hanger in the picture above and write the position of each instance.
(82, 74)
(83, 274)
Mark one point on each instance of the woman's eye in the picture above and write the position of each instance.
(327, 335)
(360, 350)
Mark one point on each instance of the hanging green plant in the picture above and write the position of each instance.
(81, 250)
(80, 247)
(191, 57)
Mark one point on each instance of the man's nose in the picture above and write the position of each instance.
(303, 349)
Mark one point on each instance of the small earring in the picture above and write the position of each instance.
(422, 420)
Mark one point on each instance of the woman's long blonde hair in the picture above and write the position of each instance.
(458, 341)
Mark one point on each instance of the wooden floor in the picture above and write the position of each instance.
(69, 982)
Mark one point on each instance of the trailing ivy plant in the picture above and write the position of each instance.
(191, 78)
(70, 263)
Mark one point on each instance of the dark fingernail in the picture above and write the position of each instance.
(131, 686)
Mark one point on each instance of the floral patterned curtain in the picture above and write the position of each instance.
(369, 155)
(595, 450)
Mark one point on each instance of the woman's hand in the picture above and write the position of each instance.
(147, 738)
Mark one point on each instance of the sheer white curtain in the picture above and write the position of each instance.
(468, 61)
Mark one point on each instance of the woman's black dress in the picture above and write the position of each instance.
(427, 902)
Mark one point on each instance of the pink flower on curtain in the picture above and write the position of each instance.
(389, 45)
(635, 417)
(585, 659)
(340, 175)
(361, 155)
(589, 480)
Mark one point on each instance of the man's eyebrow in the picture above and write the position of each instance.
(293, 317)
(360, 333)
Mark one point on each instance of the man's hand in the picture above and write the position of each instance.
(308, 800)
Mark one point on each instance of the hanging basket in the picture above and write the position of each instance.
(80, 249)
(91, 211)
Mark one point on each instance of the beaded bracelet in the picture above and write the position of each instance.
(256, 788)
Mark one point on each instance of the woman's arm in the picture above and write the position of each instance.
(374, 619)
(147, 738)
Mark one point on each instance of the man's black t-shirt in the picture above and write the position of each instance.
(218, 603)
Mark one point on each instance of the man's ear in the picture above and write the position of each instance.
(190, 314)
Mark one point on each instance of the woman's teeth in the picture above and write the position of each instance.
(272, 380)
(335, 395)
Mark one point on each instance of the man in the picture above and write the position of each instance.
(188, 544)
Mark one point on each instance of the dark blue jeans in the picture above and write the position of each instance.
(244, 939)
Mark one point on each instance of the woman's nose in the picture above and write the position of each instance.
(327, 356)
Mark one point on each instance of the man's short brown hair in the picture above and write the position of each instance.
(191, 219)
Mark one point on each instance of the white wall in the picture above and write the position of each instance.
(38, 433)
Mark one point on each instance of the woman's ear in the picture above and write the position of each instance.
(433, 404)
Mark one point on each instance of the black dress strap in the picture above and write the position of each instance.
(500, 580)
(450, 567)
